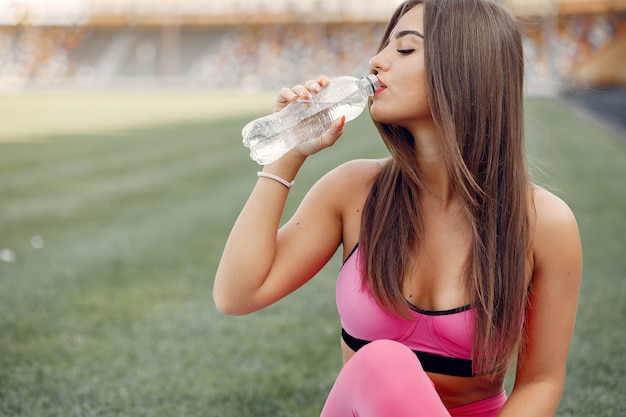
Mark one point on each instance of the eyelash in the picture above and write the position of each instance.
(405, 51)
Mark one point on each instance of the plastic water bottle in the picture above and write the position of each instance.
(270, 137)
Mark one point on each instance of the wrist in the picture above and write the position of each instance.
(287, 166)
(276, 178)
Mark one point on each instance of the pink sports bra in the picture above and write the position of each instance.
(442, 340)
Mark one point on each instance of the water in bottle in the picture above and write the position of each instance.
(270, 137)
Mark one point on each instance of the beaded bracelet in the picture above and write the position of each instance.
(276, 178)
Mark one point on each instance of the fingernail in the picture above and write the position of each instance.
(316, 87)
(343, 120)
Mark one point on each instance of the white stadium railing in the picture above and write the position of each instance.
(72, 12)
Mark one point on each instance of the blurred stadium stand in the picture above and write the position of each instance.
(267, 43)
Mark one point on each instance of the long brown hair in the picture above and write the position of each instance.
(475, 70)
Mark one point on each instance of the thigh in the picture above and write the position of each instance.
(384, 378)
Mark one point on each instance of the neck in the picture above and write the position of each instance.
(432, 167)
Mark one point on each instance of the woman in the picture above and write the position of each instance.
(455, 264)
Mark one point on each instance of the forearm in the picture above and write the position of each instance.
(251, 246)
(536, 399)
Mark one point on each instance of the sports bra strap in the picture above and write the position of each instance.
(430, 362)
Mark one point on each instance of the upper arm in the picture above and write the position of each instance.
(307, 241)
(553, 296)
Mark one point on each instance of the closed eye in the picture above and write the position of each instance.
(405, 51)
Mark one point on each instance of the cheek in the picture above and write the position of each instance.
(403, 105)
(419, 96)
(400, 112)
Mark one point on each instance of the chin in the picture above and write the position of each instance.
(379, 116)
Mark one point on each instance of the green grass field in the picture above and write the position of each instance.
(114, 207)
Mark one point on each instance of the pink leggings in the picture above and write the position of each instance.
(385, 378)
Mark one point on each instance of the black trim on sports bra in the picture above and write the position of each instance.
(430, 362)
(351, 253)
(438, 312)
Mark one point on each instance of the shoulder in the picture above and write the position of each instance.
(551, 212)
(343, 192)
(359, 167)
(344, 186)
(352, 175)
(555, 230)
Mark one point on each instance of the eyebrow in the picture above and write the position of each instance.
(409, 32)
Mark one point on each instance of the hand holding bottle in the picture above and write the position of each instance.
(308, 117)
(305, 92)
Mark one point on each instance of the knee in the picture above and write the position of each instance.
(386, 358)
(388, 379)
(386, 349)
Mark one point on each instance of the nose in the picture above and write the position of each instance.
(377, 62)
